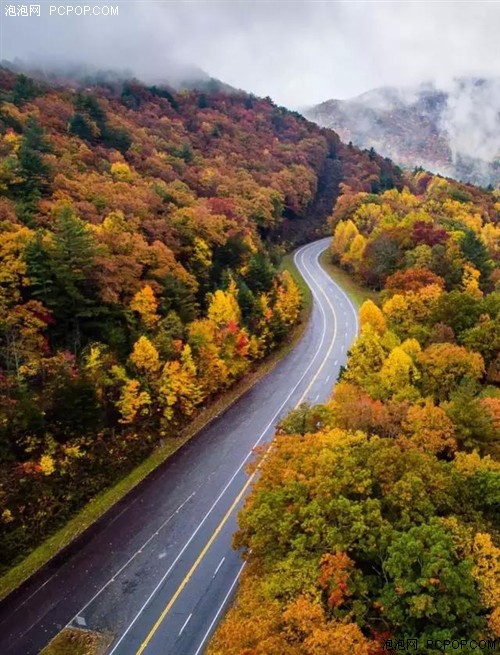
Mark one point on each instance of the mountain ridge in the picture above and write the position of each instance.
(452, 130)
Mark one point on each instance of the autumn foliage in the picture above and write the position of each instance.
(376, 515)
(140, 242)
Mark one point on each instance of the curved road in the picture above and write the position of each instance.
(158, 571)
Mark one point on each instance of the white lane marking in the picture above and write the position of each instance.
(235, 581)
(120, 570)
(342, 348)
(162, 555)
(328, 378)
(336, 362)
(185, 624)
(334, 336)
(54, 575)
(343, 293)
(34, 594)
(219, 565)
(316, 399)
(221, 607)
(81, 621)
(243, 463)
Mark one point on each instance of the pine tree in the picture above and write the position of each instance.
(60, 274)
(34, 171)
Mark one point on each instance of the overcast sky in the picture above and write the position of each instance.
(299, 53)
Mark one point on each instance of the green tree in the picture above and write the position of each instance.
(457, 310)
(430, 593)
(34, 172)
(260, 274)
(80, 126)
(474, 428)
(61, 275)
(475, 251)
(24, 90)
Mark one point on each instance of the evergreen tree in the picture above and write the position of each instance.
(39, 269)
(178, 297)
(260, 274)
(24, 89)
(476, 252)
(34, 170)
(246, 301)
(79, 126)
(61, 276)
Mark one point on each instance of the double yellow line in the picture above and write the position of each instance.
(238, 498)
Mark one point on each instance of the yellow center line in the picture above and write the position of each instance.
(224, 520)
(182, 585)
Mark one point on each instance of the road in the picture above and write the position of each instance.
(158, 571)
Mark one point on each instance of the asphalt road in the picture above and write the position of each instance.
(158, 571)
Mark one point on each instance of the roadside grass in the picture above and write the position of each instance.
(73, 641)
(103, 501)
(357, 293)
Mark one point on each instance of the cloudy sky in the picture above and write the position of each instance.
(298, 52)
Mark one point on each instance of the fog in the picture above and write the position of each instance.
(299, 53)
(472, 119)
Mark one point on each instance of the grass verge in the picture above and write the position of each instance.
(72, 641)
(101, 503)
(357, 293)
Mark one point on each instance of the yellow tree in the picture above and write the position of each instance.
(354, 255)
(491, 236)
(121, 172)
(22, 339)
(145, 304)
(178, 386)
(409, 312)
(288, 299)
(212, 369)
(223, 308)
(398, 374)
(13, 271)
(428, 428)
(370, 314)
(305, 622)
(411, 347)
(145, 357)
(11, 173)
(132, 400)
(344, 234)
(201, 259)
(366, 358)
(445, 365)
(486, 572)
(258, 625)
(470, 281)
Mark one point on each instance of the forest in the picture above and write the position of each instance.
(141, 235)
(375, 518)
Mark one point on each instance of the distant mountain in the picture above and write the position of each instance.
(453, 130)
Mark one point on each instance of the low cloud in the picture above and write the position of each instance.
(299, 53)
(472, 119)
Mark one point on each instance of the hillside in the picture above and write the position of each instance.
(374, 523)
(175, 76)
(141, 234)
(453, 130)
